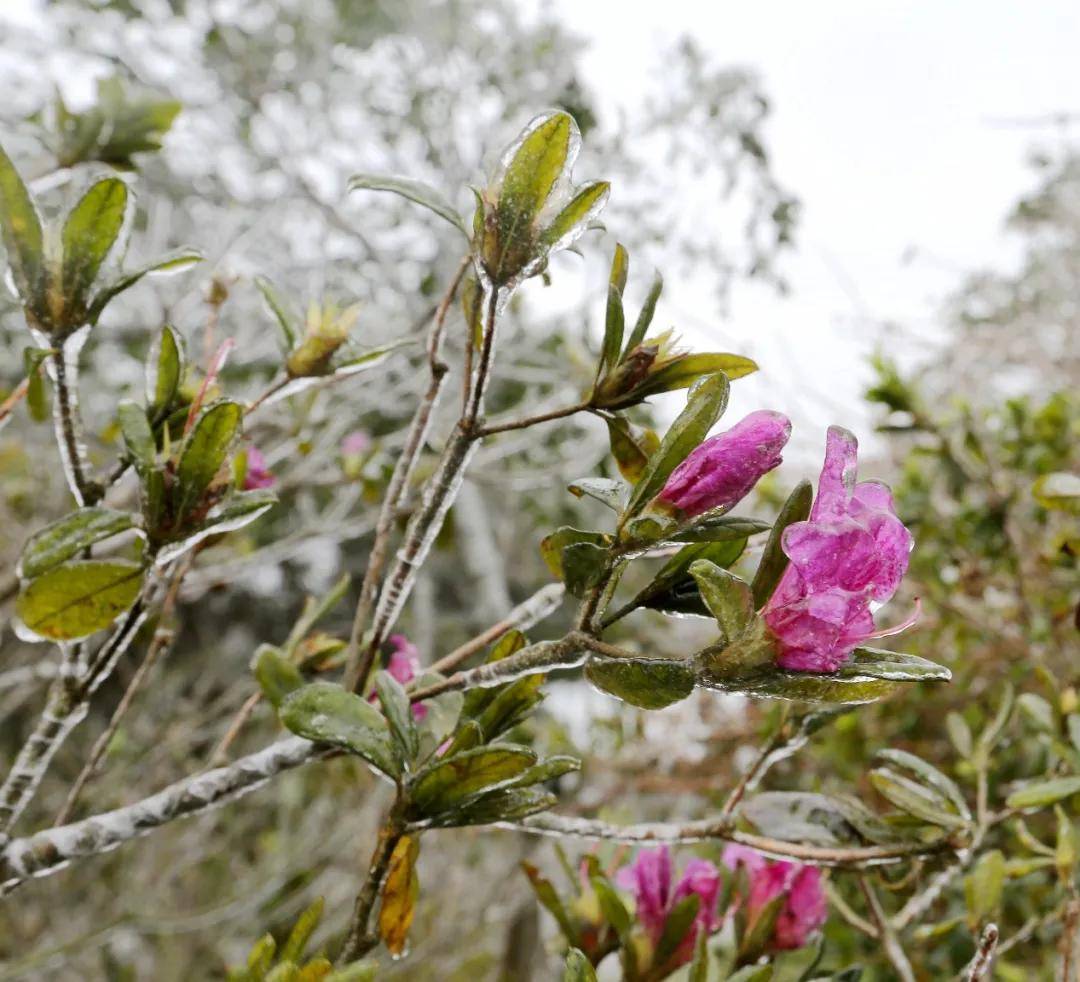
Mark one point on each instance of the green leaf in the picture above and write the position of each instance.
(89, 234)
(276, 675)
(261, 956)
(293, 949)
(503, 805)
(138, 437)
(630, 451)
(996, 727)
(174, 262)
(164, 371)
(930, 776)
(22, 234)
(602, 489)
(752, 973)
(915, 799)
(803, 816)
(727, 597)
(705, 405)
(584, 564)
(79, 597)
(416, 191)
(506, 706)
(984, 886)
(535, 165)
(449, 782)
(678, 924)
(574, 219)
(611, 904)
(37, 396)
(578, 968)
(67, 537)
(960, 734)
(547, 895)
(239, 509)
(398, 713)
(327, 713)
(684, 371)
(722, 528)
(649, 683)
(552, 546)
(773, 560)
(615, 320)
(699, 967)
(205, 449)
(1040, 794)
(645, 317)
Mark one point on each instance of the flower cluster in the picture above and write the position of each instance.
(852, 552)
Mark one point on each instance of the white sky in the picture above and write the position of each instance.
(888, 122)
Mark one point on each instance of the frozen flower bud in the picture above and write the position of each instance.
(650, 879)
(404, 666)
(356, 443)
(805, 907)
(722, 471)
(325, 330)
(852, 552)
(257, 475)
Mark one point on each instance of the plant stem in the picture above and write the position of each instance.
(984, 954)
(360, 940)
(521, 424)
(889, 941)
(69, 428)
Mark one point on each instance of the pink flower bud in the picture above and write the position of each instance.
(852, 551)
(722, 470)
(257, 475)
(404, 666)
(355, 443)
(805, 908)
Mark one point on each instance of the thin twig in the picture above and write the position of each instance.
(980, 964)
(220, 756)
(360, 940)
(840, 905)
(521, 424)
(889, 941)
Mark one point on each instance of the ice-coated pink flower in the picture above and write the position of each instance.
(805, 908)
(649, 879)
(355, 443)
(404, 666)
(722, 471)
(257, 475)
(852, 552)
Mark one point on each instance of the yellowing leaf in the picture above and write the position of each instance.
(399, 895)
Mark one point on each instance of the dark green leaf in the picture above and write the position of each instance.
(79, 597)
(415, 191)
(678, 924)
(90, 232)
(398, 712)
(138, 437)
(327, 713)
(720, 529)
(773, 559)
(276, 675)
(549, 769)
(727, 597)
(164, 371)
(705, 405)
(611, 905)
(584, 565)
(552, 546)
(699, 967)
(449, 782)
(22, 234)
(503, 805)
(67, 537)
(649, 683)
(37, 396)
(205, 449)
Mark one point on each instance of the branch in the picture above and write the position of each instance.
(521, 424)
(889, 941)
(984, 955)
(68, 424)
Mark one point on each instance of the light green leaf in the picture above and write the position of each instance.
(930, 776)
(415, 191)
(79, 597)
(90, 232)
(723, 528)
(293, 949)
(534, 166)
(138, 437)
(276, 675)
(1039, 794)
(983, 887)
(1060, 492)
(578, 968)
(645, 317)
(67, 537)
(205, 449)
(631, 452)
(686, 370)
(602, 489)
(615, 320)
(915, 798)
(398, 713)
(575, 218)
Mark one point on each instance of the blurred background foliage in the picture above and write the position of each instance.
(281, 101)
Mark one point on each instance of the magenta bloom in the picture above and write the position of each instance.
(355, 444)
(257, 475)
(649, 878)
(404, 666)
(805, 909)
(721, 471)
(851, 553)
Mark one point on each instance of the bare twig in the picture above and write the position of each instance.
(220, 756)
(521, 424)
(360, 940)
(894, 951)
(979, 966)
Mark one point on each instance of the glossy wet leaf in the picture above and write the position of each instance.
(173, 262)
(552, 546)
(533, 170)
(22, 233)
(630, 450)
(138, 436)
(239, 509)
(615, 318)
(574, 219)
(326, 713)
(90, 232)
(583, 566)
(1040, 794)
(578, 968)
(67, 537)
(164, 371)
(504, 805)
(802, 816)
(80, 597)
(399, 893)
(395, 706)
(645, 316)
(416, 191)
(447, 783)
(915, 799)
(602, 489)
(549, 769)
(648, 683)
(705, 405)
(205, 450)
(728, 598)
(276, 675)
(929, 775)
(721, 529)
(773, 560)
(687, 370)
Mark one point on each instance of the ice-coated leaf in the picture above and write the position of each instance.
(686, 370)
(79, 597)
(399, 893)
(22, 233)
(276, 675)
(583, 566)
(164, 371)
(722, 528)
(615, 319)
(553, 545)
(548, 769)
(648, 683)
(451, 781)
(915, 799)
(645, 317)
(277, 307)
(631, 451)
(90, 232)
(173, 262)
(398, 713)
(704, 406)
(533, 169)
(773, 560)
(578, 968)
(728, 598)
(1040, 794)
(205, 449)
(326, 713)
(504, 805)
(416, 191)
(575, 218)
(602, 489)
(138, 437)
(930, 776)
(67, 537)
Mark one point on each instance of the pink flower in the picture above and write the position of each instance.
(852, 552)
(805, 908)
(722, 471)
(355, 444)
(404, 666)
(257, 475)
(649, 878)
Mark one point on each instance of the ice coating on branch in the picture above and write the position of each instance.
(257, 475)
(724, 469)
(650, 879)
(853, 551)
(805, 907)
